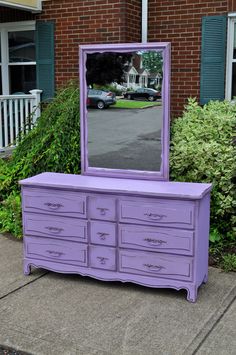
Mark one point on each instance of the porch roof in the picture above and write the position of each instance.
(27, 5)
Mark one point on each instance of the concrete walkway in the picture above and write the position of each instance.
(48, 313)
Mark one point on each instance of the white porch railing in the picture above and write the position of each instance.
(18, 113)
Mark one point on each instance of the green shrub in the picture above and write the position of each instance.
(5, 172)
(52, 145)
(111, 88)
(228, 262)
(202, 150)
(10, 215)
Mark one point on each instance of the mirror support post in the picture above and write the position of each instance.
(144, 21)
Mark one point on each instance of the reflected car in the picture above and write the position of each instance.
(143, 93)
(100, 99)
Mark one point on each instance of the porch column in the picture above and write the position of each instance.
(37, 100)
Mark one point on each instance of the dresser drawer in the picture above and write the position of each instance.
(103, 233)
(170, 213)
(58, 202)
(56, 250)
(102, 208)
(102, 257)
(164, 240)
(55, 226)
(155, 265)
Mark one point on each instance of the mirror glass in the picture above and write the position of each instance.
(124, 113)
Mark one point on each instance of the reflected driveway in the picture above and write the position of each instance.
(125, 138)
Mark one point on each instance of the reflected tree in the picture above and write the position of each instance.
(105, 68)
(153, 61)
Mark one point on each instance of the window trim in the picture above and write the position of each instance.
(229, 57)
(18, 26)
(4, 29)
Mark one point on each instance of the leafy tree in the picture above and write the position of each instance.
(105, 68)
(153, 61)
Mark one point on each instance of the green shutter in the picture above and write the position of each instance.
(212, 84)
(45, 58)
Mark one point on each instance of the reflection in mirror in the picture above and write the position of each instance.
(124, 110)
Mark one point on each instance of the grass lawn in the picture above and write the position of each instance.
(135, 104)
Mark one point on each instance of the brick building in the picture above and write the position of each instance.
(202, 35)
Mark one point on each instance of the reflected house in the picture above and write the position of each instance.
(131, 76)
(154, 80)
(142, 78)
(137, 76)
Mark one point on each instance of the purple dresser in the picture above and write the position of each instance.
(147, 232)
(121, 220)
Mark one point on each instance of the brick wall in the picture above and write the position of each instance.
(80, 22)
(232, 5)
(133, 26)
(179, 22)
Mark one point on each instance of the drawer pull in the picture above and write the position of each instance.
(56, 254)
(155, 268)
(155, 242)
(53, 206)
(102, 235)
(102, 210)
(154, 216)
(54, 229)
(102, 260)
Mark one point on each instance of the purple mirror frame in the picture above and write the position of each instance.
(163, 174)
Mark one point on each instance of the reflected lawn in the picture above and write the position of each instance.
(134, 104)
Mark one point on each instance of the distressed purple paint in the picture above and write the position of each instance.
(119, 225)
(153, 233)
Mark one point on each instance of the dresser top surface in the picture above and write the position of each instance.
(114, 185)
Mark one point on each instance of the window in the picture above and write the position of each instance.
(231, 59)
(143, 80)
(27, 57)
(18, 59)
(132, 78)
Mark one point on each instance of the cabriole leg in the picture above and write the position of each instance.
(27, 268)
(205, 279)
(192, 293)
